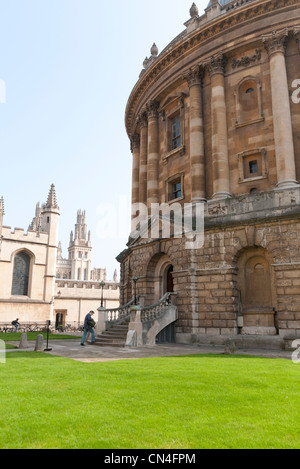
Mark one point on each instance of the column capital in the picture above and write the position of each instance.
(152, 109)
(276, 41)
(194, 75)
(135, 142)
(296, 33)
(217, 64)
(143, 119)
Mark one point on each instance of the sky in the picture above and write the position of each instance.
(67, 68)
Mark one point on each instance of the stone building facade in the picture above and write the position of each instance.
(37, 284)
(214, 120)
(28, 265)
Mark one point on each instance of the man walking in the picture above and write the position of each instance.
(89, 325)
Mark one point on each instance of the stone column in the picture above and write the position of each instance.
(135, 148)
(197, 157)
(220, 159)
(143, 159)
(153, 154)
(275, 44)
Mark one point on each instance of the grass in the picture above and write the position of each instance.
(173, 403)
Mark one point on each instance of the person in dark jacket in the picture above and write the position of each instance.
(16, 323)
(89, 325)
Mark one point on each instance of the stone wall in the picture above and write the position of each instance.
(210, 281)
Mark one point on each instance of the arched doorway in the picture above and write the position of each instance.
(159, 282)
(159, 278)
(257, 297)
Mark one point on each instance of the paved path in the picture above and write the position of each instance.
(93, 354)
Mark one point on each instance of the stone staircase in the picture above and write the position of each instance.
(114, 337)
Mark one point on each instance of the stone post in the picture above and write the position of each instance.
(197, 158)
(143, 159)
(23, 342)
(220, 159)
(102, 319)
(153, 154)
(39, 343)
(135, 329)
(275, 44)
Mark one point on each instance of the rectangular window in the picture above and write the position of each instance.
(252, 164)
(176, 190)
(253, 168)
(176, 137)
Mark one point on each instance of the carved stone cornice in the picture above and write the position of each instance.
(186, 44)
(217, 64)
(276, 41)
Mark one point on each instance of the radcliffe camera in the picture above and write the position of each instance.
(150, 227)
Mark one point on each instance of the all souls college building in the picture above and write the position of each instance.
(213, 120)
(37, 283)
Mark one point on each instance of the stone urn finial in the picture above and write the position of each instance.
(194, 10)
(154, 50)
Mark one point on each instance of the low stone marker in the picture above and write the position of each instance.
(230, 347)
(39, 344)
(23, 341)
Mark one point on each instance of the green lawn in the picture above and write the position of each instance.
(180, 402)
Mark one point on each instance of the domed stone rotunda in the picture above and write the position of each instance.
(214, 125)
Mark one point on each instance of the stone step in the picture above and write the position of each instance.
(113, 337)
(110, 343)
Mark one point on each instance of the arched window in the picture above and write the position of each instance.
(21, 274)
(248, 101)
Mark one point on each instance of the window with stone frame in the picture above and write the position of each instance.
(174, 188)
(20, 282)
(173, 122)
(252, 165)
(248, 102)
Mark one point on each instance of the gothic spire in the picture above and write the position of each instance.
(51, 201)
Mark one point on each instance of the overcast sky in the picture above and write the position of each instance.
(69, 67)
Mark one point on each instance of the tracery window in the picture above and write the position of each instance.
(21, 271)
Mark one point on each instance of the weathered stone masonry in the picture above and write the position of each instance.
(211, 121)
